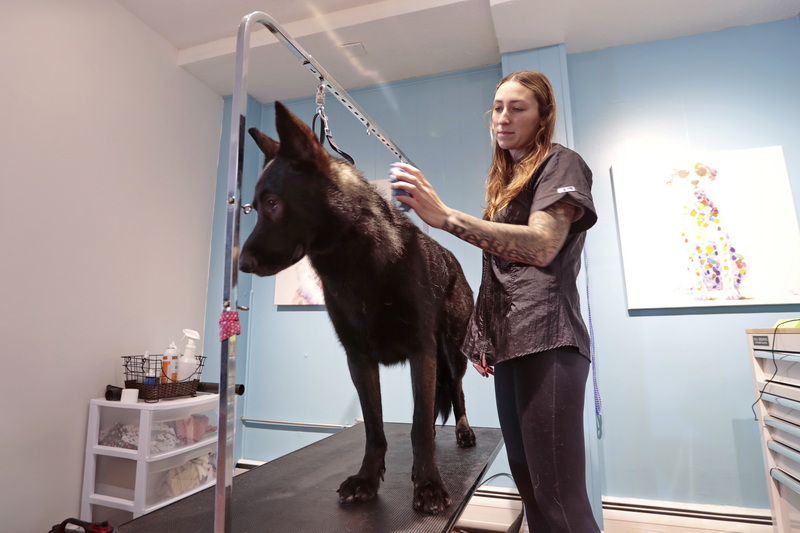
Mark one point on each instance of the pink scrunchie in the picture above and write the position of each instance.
(229, 325)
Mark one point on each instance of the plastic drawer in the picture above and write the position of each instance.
(170, 432)
(115, 477)
(783, 432)
(180, 474)
(783, 408)
(781, 367)
(119, 428)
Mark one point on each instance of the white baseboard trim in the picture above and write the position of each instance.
(249, 463)
(495, 508)
(687, 516)
(491, 509)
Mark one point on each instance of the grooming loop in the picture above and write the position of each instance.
(320, 97)
(324, 129)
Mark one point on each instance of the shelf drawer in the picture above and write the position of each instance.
(787, 490)
(175, 424)
(787, 339)
(176, 433)
(783, 432)
(781, 367)
(115, 477)
(180, 474)
(113, 515)
(781, 407)
(119, 428)
(786, 458)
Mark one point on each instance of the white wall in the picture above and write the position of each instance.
(108, 156)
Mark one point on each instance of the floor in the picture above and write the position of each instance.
(494, 509)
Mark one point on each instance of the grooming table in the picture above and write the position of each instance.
(297, 492)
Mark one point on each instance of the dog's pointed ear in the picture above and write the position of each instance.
(266, 144)
(297, 140)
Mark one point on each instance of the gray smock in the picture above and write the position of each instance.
(523, 309)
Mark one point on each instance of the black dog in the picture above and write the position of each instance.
(392, 293)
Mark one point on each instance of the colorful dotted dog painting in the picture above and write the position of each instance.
(715, 264)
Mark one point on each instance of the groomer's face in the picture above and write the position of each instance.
(515, 118)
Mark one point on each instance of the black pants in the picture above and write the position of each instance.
(540, 405)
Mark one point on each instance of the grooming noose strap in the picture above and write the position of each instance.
(324, 130)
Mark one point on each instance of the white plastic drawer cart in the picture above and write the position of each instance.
(143, 456)
(775, 361)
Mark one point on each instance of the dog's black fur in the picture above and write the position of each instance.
(393, 293)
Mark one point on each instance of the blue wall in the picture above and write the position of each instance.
(675, 385)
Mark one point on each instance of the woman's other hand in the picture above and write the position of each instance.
(483, 368)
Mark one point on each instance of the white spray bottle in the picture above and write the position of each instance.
(187, 364)
(169, 364)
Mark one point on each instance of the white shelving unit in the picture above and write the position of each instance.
(775, 361)
(143, 456)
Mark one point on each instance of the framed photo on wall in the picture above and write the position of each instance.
(299, 284)
(707, 229)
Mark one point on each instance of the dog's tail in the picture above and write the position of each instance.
(447, 375)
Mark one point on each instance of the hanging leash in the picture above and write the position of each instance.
(324, 130)
(598, 404)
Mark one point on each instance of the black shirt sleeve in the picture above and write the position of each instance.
(565, 177)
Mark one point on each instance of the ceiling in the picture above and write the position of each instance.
(391, 40)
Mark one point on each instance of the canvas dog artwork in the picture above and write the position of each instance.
(393, 294)
(716, 266)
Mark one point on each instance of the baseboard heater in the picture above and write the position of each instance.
(288, 425)
(699, 512)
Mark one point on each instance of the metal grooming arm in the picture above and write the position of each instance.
(222, 500)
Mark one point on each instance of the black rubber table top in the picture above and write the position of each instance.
(296, 493)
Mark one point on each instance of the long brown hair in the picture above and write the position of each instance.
(506, 178)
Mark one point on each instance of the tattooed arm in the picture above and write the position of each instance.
(537, 243)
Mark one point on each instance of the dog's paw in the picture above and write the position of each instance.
(701, 295)
(358, 489)
(465, 437)
(430, 497)
(732, 294)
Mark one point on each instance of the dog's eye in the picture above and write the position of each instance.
(270, 206)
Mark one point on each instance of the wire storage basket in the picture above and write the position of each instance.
(156, 377)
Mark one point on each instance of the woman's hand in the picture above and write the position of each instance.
(483, 368)
(423, 200)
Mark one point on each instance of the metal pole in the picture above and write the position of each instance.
(227, 378)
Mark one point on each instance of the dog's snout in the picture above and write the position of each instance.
(247, 263)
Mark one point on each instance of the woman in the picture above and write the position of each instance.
(526, 329)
